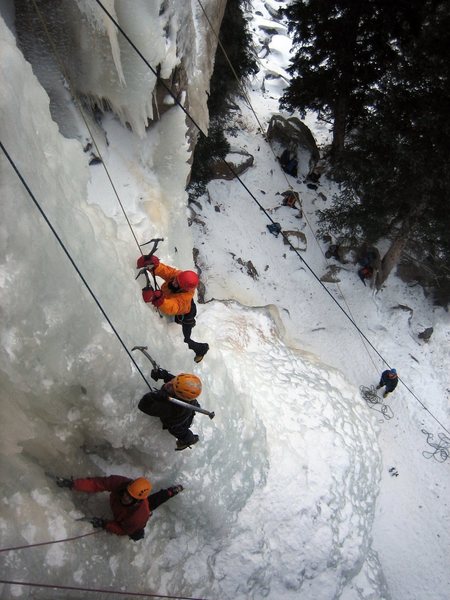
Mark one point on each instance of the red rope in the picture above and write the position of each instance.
(53, 542)
(99, 590)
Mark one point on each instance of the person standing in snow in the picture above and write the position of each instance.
(389, 379)
(365, 273)
(175, 298)
(130, 501)
(288, 163)
(367, 262)
(175, 418)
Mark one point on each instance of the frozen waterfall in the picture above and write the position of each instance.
(280, 492)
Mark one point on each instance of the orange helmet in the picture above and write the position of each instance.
(187, 386)
(188, 280)
(140, 488)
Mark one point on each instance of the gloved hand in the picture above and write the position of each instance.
(157, 298)
(159, 374)
(63, 482)
(97, 522)
(147, 294)
(147, 261)
(174, 490)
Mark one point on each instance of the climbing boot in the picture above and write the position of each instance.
(200, 352)
(183, 445)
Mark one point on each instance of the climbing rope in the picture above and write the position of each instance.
(79, 105)
(296, 195)
(246, 97)
(240, 85)
(375, 402)
(67, 253)
(96, 590)
(441, 448)
(364, 339)
(69, 539)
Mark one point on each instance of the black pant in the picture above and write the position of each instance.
(188, 323)
(181, 430)
(158, 498)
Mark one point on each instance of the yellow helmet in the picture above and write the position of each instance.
(187, 386)
(140, 488)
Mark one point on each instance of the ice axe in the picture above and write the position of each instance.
(143, 349)
(199, 409)
(155, 242)
(145, 270)
(155, 365)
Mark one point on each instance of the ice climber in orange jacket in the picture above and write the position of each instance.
(130, 501)
(175, 298)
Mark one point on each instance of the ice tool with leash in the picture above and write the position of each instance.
(155, 365)
(145, 265)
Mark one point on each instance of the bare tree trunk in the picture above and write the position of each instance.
(390, 260)
(339, 126)
(345, 84)
(394, 253)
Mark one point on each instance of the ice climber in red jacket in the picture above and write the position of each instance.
(130, 500)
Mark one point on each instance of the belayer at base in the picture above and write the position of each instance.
(130, 501)
(389, 379)
(176, 419)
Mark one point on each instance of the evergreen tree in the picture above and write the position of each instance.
(396, 170)
(342, 49)
(235, 39)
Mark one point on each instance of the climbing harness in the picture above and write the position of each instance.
(155, 365)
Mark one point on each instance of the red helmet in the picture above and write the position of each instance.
(188, 280)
